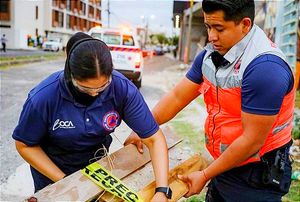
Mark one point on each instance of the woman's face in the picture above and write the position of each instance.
(92, 86)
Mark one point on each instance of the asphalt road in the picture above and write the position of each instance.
(16, 83)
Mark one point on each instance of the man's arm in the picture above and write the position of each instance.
(256, 128)
(178, 98)
(173, 102)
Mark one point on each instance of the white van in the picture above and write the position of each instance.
(126, 54)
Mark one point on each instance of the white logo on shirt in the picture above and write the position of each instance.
(62, 124)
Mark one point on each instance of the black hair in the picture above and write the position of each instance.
(75, 38)
(87, 58)
(234, 10)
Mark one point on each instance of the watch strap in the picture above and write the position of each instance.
(166, 190)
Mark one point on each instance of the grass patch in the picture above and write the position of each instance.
(294, 192)
(297, 102)
(7, 62)
(196, 198)
(191, 137)
(296, 128)
(22, 57)
(200, 100)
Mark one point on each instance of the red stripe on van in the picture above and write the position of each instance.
(114, 48)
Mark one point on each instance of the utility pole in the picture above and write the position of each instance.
(108, 14)
(189, 35)
(146, 32)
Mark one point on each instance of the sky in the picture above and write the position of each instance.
(158, 13)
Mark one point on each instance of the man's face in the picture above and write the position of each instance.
(224, 34)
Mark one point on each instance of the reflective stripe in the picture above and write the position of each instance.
(209, 73)
(280, 128)
(114, 48)
(223, 147)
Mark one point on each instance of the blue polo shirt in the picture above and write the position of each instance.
(71, 133)
(266, 81)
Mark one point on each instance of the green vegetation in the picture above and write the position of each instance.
(186, 130)
(294, 192)
(162, 39)
(297, 104)
(200, 101)
(197, 198)
(6, 62)
(191, 137)
(296, 128)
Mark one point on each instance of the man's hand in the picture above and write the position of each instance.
(159, 197)
(133, 138)
(195, 182)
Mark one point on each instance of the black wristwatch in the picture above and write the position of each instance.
(166, 190)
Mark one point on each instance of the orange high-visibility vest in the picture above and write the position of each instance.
(222, 94)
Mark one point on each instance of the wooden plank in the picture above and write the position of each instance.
(77, 187)
(179, 188)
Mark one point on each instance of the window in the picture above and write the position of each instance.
(91, 12)
(68, 21)
(4, 10)
(55, 3)
(128, 40)
(60, 19)
(68, 5)
(113, 39)
(96, 35)
(36, 12)
(82, 8)
(98, 14)
(4, 6)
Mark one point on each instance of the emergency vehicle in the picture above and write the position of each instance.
(126, 54)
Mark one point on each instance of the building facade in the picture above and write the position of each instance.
(27, 23)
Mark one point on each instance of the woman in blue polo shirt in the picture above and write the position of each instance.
(69, 116)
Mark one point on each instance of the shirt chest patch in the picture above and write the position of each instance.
(65, 124)
(110, 120)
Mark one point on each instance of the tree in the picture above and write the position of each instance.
(159, 38)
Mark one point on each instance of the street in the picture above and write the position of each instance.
(160, 73)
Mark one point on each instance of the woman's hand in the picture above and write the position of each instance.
(159, 197)
(133, 138)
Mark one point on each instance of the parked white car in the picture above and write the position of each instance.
(125, 51)
(53, 44)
